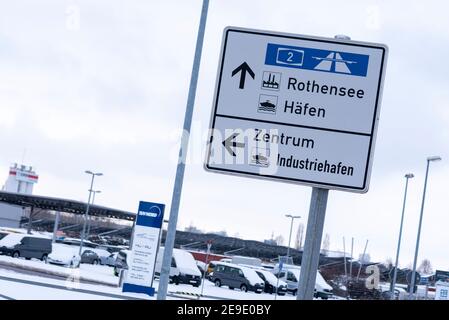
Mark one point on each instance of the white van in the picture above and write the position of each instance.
(290, 274)
(183, 267)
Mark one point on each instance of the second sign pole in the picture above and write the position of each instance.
(311, 254)
(312, 245)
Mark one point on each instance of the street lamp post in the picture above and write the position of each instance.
(290, 236)
(393, 283)
(412, 285)
(86, 215)
(93, 201)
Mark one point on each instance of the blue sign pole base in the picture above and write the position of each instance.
(128, 287)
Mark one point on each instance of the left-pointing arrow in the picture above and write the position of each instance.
(229, 143)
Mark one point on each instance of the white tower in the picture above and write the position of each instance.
(21, 179)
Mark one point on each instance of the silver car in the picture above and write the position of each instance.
(109, 260)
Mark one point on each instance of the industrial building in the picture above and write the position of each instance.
(21, 180)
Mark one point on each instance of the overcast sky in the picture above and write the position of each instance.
(102, 85)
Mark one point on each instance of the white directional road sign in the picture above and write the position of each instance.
(296, 108)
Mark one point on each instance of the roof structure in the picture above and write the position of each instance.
(63, 205)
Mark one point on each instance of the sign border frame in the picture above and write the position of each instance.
(374, 125)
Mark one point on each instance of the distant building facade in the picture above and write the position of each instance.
(21, 179)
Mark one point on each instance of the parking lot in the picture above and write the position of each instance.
(97, 281)
(68, 288)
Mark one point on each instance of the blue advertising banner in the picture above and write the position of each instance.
(150, 214)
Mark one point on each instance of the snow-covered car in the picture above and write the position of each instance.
(183, 267)
(26, 246)
(104, 256)
(92, 253)
(109, 260)
(290, 274)
(236, 276)
(271, 282)
(90, 257)
(64, 255)
(121, 261)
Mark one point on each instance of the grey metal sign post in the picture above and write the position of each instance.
(314, 233)
(177, 189)
(312, 245)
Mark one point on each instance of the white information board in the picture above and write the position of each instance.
(296, 108)
(143, 255)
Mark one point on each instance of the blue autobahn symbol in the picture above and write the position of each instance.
(316, 59)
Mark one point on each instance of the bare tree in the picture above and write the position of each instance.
(425, 267)
(326, 243)
(32, 214)
(279, 240)
(192, 229)
(299, 236)
(388, 263)
(222, 233)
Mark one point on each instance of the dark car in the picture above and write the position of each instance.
(121, 262)
(271, 282)
(90, 257)
(26, 246)
(235, 276)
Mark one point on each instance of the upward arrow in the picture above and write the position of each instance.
(243, 69)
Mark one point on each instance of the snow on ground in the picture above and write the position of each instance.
(225, 293)
(26, 291)
(22, 291)
(96, 273)
(105, 275)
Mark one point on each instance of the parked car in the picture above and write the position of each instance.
(121, 261)
(183, 267)
(109, 260)
(26, 246)
(103, 255)
(235, 276)
(3, 234)
(64, 255)
(290, 274)
(290, 278)
(90, 257)
(271, 282)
